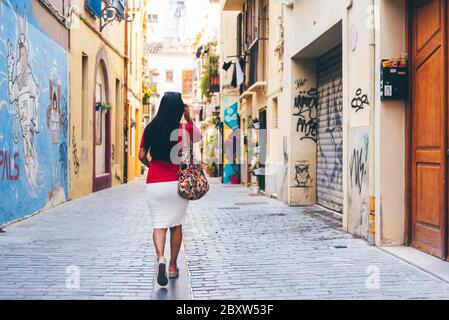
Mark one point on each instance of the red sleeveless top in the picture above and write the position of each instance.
(162, 171)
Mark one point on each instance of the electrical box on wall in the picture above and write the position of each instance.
(394, 79)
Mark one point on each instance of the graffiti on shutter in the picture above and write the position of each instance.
(330, 130)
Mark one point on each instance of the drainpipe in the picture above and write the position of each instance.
(126, 109)
(372, 150)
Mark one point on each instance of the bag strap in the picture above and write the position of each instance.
(184, 138)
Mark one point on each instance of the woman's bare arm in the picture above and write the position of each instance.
(143, 157)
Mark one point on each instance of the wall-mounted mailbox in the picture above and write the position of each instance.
(394, 80)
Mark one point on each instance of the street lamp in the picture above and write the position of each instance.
(118, 10)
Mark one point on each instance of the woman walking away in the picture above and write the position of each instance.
(162, 140)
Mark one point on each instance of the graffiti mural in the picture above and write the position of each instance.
(303, 177)
(231, 143)
(23, 99)
(33, 114)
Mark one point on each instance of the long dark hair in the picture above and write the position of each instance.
(158, 132)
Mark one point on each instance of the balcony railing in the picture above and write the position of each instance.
(252, 36)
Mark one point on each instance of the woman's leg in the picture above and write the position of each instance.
(159, 238)
(175, 246)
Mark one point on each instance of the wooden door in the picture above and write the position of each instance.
(429, 125)
(101, 134)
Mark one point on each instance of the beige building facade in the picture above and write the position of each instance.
(345, 114)
(343, 154)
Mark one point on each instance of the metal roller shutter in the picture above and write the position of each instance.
(330, 130)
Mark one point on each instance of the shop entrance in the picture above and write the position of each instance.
(330, 130)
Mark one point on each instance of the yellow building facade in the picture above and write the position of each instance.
(97, 64)
(135, 42)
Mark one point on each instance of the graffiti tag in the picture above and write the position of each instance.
(76, 162)
(359, 101)
(300, 83)
(358, 166)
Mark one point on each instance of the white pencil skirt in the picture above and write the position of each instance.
(167, 208)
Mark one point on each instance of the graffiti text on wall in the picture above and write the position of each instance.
(9, 165)
(300, 83)
(306, 103)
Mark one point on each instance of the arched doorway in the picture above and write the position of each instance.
(101, 128)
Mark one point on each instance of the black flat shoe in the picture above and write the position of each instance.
(162, 277)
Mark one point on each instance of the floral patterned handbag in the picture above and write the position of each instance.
(192, 183)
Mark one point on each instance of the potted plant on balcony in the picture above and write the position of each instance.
(235, 175)
(255, 189)
(146, 96)
(256, 170)
(103, 106)
(210, 78)
(211, 169)
(254, 123)
(257, 149)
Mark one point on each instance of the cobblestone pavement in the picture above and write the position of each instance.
(104, 237)
(241, 247)
(237, 247)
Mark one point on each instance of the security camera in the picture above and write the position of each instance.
(288, 3)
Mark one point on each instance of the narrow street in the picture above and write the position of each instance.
(236, 247)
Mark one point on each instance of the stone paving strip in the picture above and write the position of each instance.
(267, 250)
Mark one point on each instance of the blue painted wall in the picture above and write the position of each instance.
(33, 114)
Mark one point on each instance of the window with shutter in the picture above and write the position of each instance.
(94, 6)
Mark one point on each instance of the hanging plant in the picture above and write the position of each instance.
(103, 106)
(254, 123)
(146, 96)
(210, 79)
(205, 84)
